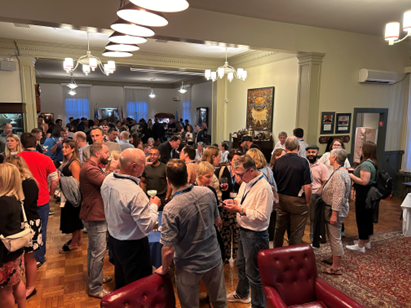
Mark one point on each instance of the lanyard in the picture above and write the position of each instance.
(189, 188)
(190, 162)
(232, 178)
(118, 176)
(245, 194)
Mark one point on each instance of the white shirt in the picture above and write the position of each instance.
(199, 155)
(128, 213)
(80, 151)
(224, 158)
(258, 204)
(278, 145)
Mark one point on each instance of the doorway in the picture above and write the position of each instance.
(373, 124)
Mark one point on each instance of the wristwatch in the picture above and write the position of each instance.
(242, 212)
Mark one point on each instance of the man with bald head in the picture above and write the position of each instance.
(130, 217)
(80, 139)
(124, 141)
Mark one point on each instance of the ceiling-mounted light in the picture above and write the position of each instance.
(226, 69)
(111, 65)
(182, 90)
(141, 16)
(392, 29)
(168, 6)
(72, 85)
(122, 47)
(152, 95)
(72, 92)
(116, 54)
(86, 69)
(92, 62)
(119, 38)
(126, 27)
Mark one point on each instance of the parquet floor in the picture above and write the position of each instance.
(62, 281)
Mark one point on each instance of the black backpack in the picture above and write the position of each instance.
(384, 182)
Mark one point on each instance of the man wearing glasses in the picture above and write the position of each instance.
(253, 206)
(154, 177)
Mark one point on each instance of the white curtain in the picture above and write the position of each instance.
(137, 103)
(78, 105)
(406, 164)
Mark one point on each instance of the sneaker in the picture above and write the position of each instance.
(40, 264)
(356, 248)
(366, 245)
(107, 279)
(233, 297)
(51, 213)
(100, 294)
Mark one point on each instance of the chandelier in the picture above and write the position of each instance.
(392, 29)
(72, 85)
(89, 63)
(182, 90)
(226, 69)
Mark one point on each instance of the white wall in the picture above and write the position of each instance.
(201, 97)
(10, 90)
(113, 96)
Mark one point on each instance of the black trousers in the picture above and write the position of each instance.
(364, 217)
(131, 260)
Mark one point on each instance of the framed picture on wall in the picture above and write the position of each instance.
(327, 122)
(260, 107)
(343, 123)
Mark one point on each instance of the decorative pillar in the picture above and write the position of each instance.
(28, 81)
(309, 79)
(219, 111)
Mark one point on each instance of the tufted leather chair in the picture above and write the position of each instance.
(151, 291)
(289, 278)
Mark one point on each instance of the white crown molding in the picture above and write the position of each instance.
(257, 58)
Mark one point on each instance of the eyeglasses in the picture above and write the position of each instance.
(241, 174)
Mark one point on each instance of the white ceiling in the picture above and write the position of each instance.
(99, 40)
(360, 16)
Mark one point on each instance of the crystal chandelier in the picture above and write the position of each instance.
(392, 29)
(226, 69)
(89, 63)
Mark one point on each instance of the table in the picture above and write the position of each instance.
(155, 245)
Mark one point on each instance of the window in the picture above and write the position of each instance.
(187, 111)
(137, 110)
(77, 108)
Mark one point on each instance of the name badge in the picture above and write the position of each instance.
(233, 195)
(13, 153)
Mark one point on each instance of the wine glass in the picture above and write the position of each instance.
(152, 193)
(224, 184)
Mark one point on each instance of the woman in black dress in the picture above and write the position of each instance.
(11, 263)
(70, 216)
(31, 191)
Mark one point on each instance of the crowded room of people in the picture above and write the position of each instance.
(188, 153)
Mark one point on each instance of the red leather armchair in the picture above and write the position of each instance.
(289, 278)
(151, 291)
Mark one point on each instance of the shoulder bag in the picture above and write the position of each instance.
(19, 240)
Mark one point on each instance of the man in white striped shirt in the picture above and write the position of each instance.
(130, 217)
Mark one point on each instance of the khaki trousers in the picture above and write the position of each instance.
(293, 211)
(188, 287)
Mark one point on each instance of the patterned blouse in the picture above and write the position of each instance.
(336, 192)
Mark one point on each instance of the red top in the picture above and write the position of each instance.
(40, 166)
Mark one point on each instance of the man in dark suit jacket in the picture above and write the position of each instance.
(167, 147)
(200, 134)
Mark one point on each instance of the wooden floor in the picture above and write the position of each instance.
(62, 281)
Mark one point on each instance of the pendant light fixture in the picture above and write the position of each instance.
(182, 90)
(72, 92)
(152, 95)
(226, 69)
(392, 29)
(119, 38)
(72, 85)
(122, 47)
(126, 27)
(116, 54)
(141, 16)
(168, 6)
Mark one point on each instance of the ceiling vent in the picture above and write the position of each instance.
(22, 26)
(161, 41)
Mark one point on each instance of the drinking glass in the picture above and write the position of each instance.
(224, 184)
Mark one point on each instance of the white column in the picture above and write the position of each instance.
(308, 99)
(218, 113)
(28, 80)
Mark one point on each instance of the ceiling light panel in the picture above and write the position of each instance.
(129, 28)
(141, 16)
(120, 38)
(168, 6)
(122, 47)
(116, 54)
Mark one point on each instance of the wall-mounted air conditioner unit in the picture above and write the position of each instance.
(176, 98)
(376, 77)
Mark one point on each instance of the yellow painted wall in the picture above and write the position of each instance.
(283, 75)
(10, 90)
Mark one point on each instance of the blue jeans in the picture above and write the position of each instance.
(43, 211)
(249, 244)
(97, 246)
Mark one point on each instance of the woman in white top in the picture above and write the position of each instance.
(224, 152)
(282, 136)
(189, 135)
(325, 159)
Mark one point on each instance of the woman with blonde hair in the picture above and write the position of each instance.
(261, 164)
(212, 155)
(31, 191)
(70, 215)
(11, 263)
(13, 145)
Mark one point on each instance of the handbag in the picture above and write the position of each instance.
(19, 240)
